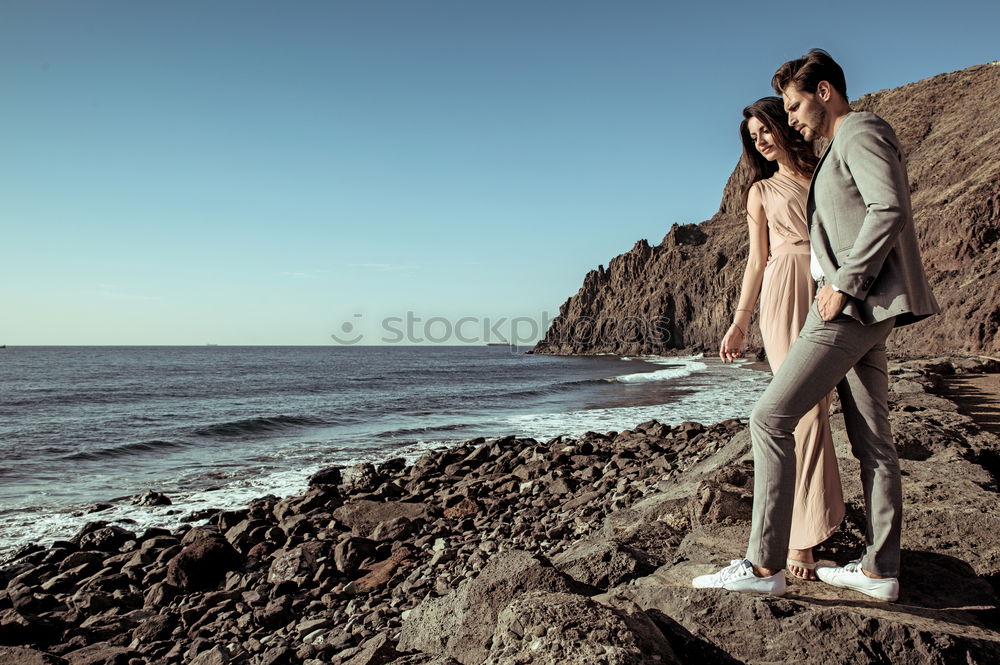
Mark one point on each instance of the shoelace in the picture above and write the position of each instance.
(734, 570)
(853, 566)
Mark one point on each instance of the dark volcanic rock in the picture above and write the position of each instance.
(327, 476)
(151, 498)
(461, 624)
(681, 293)
(379, 650)
(101, 653)
(23, 656)
(101, 536)
(545, 628)
(360, 477)
(298, 563)
(23, 628)
(363, 516)
(602, 563)
(203, 562)
(380, 573)
(351, 552)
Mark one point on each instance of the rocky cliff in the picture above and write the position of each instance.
(680, 293)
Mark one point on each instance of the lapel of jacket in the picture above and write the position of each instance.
(810, 201)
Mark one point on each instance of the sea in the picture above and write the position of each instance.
(213, 427)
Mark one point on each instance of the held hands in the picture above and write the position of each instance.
(830, 302)
(732, 344)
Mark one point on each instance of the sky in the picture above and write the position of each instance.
(265, 173)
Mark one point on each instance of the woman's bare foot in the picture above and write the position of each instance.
(798, 557)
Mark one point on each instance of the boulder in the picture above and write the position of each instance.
(21, 628)
(461, 623)
(104, 538)
(151, 498)
(216, 655)
(379, 650)
(360, 477)
(397, 528)
(25, 656)
(604, 563)
(205, 558)
(726, 495)
(101, 653)
(382, 572)
(328, 476)
(351, 552)
(298, 563)
(544, 628)
(364, 515)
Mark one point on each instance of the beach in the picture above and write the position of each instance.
(507, 549)
(86, 430)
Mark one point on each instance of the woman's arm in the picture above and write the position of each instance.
(753, 275)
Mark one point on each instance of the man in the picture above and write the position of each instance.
(867, 267)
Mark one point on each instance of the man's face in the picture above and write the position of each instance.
(806, 113)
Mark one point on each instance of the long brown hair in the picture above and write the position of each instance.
(771, 113)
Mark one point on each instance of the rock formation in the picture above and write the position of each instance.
(680, 294)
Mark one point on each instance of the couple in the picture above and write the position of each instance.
(843, 220)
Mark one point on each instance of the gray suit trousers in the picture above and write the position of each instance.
(850, 356)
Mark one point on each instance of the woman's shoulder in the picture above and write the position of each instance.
(756, 191)
(764, 186)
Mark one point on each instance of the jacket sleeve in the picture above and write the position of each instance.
(874, 158)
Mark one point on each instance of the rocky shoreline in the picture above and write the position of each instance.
(510, 551)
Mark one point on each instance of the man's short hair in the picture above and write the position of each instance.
(806, 72)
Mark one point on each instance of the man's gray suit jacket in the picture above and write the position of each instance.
(861, 226)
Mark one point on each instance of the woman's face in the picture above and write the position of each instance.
(762, 139)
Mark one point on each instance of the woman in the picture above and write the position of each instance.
(781, 164)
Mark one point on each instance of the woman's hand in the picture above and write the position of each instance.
(732, 344)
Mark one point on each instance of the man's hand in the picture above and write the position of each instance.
(830, 302)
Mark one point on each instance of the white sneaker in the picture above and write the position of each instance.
(851, 577)
(739, 576)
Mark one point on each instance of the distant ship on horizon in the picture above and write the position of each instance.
(499, 344)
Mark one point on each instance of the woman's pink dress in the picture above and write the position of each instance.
(786, 295)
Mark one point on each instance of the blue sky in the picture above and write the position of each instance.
(263, 173)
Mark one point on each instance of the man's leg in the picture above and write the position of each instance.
(864, 394)
(823, 354)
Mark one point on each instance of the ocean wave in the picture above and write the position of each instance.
(126, 450)
(406, 431)
(259, 425)
(426, 371)
(686, 369)
(550, 389)
(42, 397)
(490, 394)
